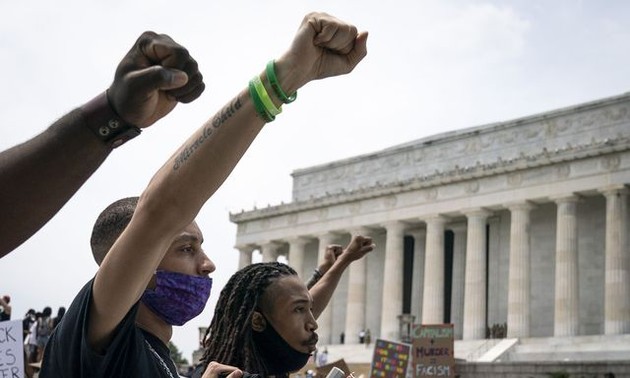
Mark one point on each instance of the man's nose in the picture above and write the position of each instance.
(207, 266)
(312, 323)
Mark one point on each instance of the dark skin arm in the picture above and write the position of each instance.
(40, 175)
(332, 252)
(323, 290)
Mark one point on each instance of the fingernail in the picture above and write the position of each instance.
(179, 78)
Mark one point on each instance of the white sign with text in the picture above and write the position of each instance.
(11, 349)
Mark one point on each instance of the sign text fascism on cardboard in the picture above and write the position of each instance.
(433, 350)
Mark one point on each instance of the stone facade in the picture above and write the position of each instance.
(522, 223)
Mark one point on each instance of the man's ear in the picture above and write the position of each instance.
(259, 323)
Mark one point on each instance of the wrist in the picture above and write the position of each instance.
(289, 75)
(324, 267)
(106, 124)
(317, 275)
(344, 260)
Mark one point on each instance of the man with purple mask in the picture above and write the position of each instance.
(154, 273)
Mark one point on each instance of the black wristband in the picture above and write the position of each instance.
(317, 274)
(106, 124)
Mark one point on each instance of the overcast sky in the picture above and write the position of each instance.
(432, 67)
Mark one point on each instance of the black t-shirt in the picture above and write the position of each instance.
(131, 353)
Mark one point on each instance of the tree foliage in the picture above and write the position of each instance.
(176, 354)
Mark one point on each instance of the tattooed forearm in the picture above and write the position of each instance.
(189, 150)
(226, 113)
(218, 120)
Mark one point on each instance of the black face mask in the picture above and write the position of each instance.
(278, 355)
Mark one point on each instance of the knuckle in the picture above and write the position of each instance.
(213, 365)
(181, 54)
(146, 38)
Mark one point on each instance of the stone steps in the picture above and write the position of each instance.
(583, 348)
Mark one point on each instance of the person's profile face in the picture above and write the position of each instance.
(185, 254)
(288, 307)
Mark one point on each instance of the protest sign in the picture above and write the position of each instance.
(323, 370)
(390, 359)
(11, 349)
(433, 350)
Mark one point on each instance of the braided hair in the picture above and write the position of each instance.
(231, 341)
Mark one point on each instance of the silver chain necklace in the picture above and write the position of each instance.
(162, 363)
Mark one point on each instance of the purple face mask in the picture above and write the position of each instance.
(177, 298)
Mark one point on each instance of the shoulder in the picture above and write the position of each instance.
(69, 352)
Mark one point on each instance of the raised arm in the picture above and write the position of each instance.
(323, 290)
(40, 175)
(323, 47)
(330, 256)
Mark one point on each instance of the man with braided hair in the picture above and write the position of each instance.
(120, 323)
(265, 319)
(263, 323)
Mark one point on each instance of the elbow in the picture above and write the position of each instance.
(166, 213)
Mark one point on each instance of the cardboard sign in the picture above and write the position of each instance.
(433, 350)
(11, 349)
(390, 359)
(323, 370)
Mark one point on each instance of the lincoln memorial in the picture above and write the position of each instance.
(521, 225)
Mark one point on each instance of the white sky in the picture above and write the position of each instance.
(432, 67)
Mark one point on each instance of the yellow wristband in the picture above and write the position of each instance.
(264, 97)
(258, 105)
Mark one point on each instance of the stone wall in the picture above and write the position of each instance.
(584, 369)
(561, 133)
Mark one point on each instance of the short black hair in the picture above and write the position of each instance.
(109, 225)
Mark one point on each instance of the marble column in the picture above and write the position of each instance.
(244, 255)
(419, 241)
(616, 316)
(498, 263)
(518, 317)
(393, 280)
(566, 309)
(355, 307)
(296, 256)
(269, 251)
(476, 269)
(458, 279)
(433, 297)
(325, 318)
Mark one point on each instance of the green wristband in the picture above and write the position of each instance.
(258, 105)
(273, 80)
(264, 97)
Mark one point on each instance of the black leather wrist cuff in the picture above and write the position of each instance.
(106, 124)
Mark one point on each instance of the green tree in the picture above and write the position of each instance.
(176, 354)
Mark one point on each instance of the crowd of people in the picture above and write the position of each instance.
(153, 272)
(37, 326)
